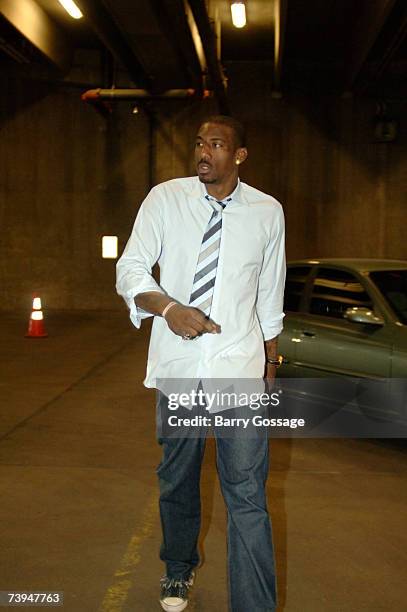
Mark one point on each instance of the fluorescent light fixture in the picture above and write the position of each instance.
(238, 14)
(109, 247)
(71, 8)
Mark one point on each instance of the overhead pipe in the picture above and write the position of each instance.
(208, 39)
(101, 99)
(280, 23)
(94, 95)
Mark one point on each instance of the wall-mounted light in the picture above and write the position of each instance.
(238, 10)
(109, 247)
(71, 8)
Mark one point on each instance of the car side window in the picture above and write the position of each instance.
(294, 287)
(336, 290)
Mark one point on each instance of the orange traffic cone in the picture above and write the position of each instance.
(36, 327)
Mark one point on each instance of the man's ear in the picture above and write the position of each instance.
(241, 155)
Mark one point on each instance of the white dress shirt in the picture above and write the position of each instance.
(248, 293)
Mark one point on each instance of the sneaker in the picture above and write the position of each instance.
(174, 593)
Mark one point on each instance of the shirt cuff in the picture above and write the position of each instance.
(272, 329)
(137, 314)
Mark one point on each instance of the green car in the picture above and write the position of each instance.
(345, 317)
(346, 322)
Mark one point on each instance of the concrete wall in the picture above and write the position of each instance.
(343, 194)
(68, 177)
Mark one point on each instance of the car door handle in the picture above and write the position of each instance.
(308, 334)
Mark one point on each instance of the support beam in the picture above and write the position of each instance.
(33, 23)
(280, 21)
(395, 40)
(365, 33)
(196, 39)
(114, 39)
(209, 46)
(173, 23)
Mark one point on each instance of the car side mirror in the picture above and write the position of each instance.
(360, 314)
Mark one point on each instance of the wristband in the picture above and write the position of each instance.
(166, 309)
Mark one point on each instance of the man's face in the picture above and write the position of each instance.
(216, 153)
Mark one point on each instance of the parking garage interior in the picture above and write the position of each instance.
(93, 113)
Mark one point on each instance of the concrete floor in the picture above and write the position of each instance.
(78, 490)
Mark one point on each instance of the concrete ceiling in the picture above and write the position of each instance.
(339, 45)
(79, 29)
(154, 49)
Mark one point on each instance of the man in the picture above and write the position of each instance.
(217, 314)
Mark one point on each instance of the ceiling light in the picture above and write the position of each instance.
(71, 8)
(238, 14)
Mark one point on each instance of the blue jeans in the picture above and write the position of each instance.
(243, 468)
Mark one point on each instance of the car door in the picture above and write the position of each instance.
(326, 343)
(296, 284)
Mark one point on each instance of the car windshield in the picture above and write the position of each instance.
(393, 285)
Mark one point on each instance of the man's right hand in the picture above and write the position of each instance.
(188, 321)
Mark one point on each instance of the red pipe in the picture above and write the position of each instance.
(95, 95)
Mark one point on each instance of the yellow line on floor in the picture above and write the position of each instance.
(123, 579)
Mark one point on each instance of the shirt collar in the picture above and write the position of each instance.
(237, 197)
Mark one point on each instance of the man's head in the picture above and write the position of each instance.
(219, 150)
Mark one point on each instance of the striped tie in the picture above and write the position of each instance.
(205, 275)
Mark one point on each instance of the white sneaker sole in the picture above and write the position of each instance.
(174, 608)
